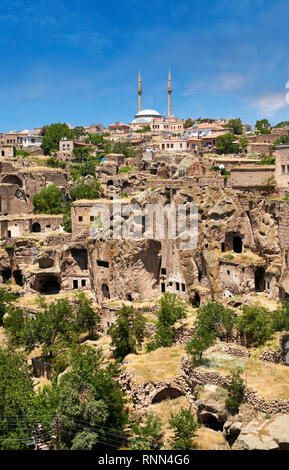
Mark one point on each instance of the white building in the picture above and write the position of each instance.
(32, 140)
(174, 144)
(205, 129)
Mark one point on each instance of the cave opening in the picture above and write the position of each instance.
(12, 179)
(49, 285)
(260, 280)
(210, 421)
(80, 257)
(237, 244)
(167, 394)
(105, 291)
(18, 276)
(36, 227)
(196, 300)
(6, 274)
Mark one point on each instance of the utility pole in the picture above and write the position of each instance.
(57, 433)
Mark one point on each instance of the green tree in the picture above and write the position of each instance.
(127, 332)
(255, 324)
(226, 144)
(282, 140)
(82, 154)
(213, 320)
(280, 317)
(236, 125)
(216, 318)
(144, 129)
(48, 201)
(54, 163)
(124, 148)
(66, 222)
(201, 340)
(282, 124)
(87, 318)
(51, 326)
(14, 324)
(90, 400)
(86, 189)
(236, 390)
(189, 123)
(263, 126)
(147, 434)
(78, 131)
(266, 160)
(6, 298)
(172, 309)
(184, 425)
(16, 401)
(52, 135)
(77, 170)
(243, 142)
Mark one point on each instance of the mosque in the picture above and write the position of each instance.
(152, 118)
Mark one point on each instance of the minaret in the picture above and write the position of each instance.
(139, 92)
(169, 95)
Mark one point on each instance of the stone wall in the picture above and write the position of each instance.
(251, 176)
(197, 376)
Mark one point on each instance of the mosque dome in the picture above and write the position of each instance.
(146, 115)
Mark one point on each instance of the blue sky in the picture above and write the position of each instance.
(78, 61)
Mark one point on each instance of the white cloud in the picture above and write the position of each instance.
(268, 104)
(223, 82)
(230, 81)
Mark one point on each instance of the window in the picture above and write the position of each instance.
(103, 264)
(164, 271)
(80, 219)
(163, 287)
(83, 282)
(75, 284)
(91, 218)
(184, 287)
(177, 285)
(283, 169)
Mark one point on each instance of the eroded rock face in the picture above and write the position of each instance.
(212, 412)
(265, 434)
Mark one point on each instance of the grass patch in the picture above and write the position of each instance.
(161, 364)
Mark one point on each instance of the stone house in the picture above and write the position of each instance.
(175, 144)
(282, 168)
(8, 151)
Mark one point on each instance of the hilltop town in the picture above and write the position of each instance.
(228, 292)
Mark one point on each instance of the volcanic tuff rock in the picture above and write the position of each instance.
(265, 434)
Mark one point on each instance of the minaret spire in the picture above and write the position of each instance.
(139, 92)
(169, 94)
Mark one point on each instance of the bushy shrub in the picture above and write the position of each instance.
(236, 390)
(48, 201)
(171, 310)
